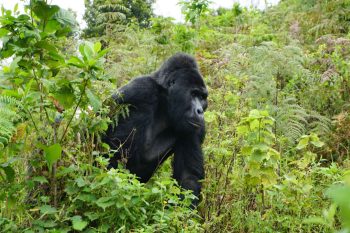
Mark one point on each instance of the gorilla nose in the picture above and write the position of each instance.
(200, 111)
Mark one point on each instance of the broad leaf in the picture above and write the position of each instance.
(78, 223)
(97, 47)
(105, 202)
(94, 100)
(52, 154)
(43, 10)
(46, 209)
(10, 173)
(65, 95)
(40, 179)
(75, 61)
(52, 26)
(3, 32)
(304, 141)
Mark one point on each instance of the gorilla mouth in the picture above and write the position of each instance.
(195, 124)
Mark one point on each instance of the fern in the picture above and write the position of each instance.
(293, 121)
(8, 117)
(318, 123)
(272, 71)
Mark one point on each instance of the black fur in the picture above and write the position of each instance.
(166, 117)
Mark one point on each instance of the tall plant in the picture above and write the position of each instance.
(37, 78)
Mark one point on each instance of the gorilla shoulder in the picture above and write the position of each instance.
(141, 90)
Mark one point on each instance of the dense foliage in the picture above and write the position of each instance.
(277, 146)
(108, 17)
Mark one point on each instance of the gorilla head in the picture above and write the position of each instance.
(186, 93)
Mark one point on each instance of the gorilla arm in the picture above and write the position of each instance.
(188, 167)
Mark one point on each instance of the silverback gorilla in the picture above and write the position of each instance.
(166, 116)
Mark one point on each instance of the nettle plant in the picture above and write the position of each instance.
(259, 156)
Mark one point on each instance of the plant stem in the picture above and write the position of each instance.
(262, 197)
(75, 110)
(32, 119)
(54, 169)
(41, 96)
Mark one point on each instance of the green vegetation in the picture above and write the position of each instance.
(107, 17)
(278, 122)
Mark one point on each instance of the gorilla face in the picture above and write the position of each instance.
(187, 100)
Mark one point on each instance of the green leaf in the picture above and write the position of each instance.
(46, 209)
(105, 202)
(254, 113)
(75, 61)
(97, 47)
(258, 156)
(52, 154)
(63, 31)
(92, 215)
(40, 179)
(210, 116)
(10, 173)
(52, 26)
(81, 49)
(43, 10)
(88, 51)
(102, 53)
(304, 141)
(340, 194)
(254, 124)
(65, 95)
(44, 224)
(87, 197)
(46, 45)
(80, 182)
(242, 130)
(274, 154)
(78, 223)
(317, 143)
(155, 190)
(71, 189)
(247, 150)
(15, 8)
(66, 18)
(94, 100)
(3, 32)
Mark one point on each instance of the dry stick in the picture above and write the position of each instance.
(75, 110)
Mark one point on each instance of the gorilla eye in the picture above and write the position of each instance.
(198, 94)
(171, 82)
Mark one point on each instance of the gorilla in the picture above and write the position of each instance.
(166, 116)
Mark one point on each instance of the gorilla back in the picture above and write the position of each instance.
(166, 116)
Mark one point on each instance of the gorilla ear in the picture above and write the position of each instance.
(174, 63)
